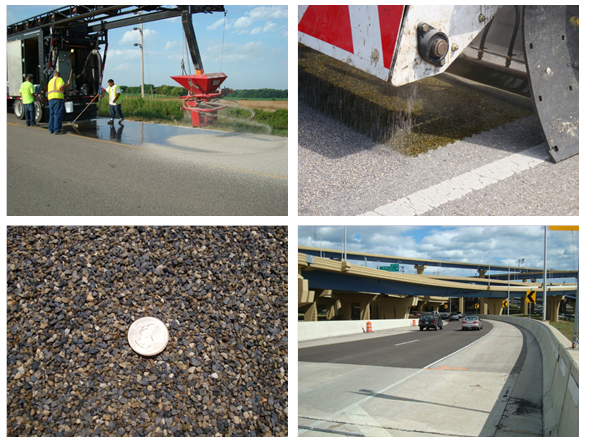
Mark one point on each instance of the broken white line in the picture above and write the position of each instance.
(427, 199)
(409, 342)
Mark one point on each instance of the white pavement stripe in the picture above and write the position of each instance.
(427, 199)
(408, 342)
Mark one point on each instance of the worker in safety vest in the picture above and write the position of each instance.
(55, 94)
(27, 92)
(114, 101)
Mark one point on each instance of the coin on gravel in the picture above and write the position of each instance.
(148, 336)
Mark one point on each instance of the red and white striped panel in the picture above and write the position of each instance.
(363, 36)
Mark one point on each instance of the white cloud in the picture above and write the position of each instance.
(217, 24)
(269, 12)
(242, 22)
(171, 45)
(474, 244)
(250, 52)
(132, 36)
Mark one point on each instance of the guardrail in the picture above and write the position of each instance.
(560, 370)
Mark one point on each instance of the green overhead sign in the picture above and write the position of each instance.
(392, 267)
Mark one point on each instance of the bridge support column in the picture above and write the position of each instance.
(493, 306)
(346, 310)
(419, 268)
(483, 306)
(333, 308)
(365, 310)
(305, 296)
(461, 305)
(311, 312)
(394, 307)
(553, 306)
(525, 306)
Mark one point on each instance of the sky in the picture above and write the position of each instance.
(501, 245)
(249, 45)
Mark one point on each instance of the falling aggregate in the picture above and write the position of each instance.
(73, 292)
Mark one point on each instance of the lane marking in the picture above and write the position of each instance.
(394, 384)
(408, 342)
(449, 190)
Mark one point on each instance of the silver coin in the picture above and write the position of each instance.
(148, 336)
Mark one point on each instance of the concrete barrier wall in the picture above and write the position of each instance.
(328, 329)
(560, 377)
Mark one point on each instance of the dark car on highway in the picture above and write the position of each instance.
(427, 321)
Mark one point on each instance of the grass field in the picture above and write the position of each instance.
(256, 117)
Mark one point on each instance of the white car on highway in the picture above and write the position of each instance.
(472, 322)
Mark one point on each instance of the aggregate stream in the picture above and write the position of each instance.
(73, 292)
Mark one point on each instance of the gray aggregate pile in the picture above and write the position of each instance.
(73, 293)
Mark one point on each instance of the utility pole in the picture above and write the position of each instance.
(140, 29)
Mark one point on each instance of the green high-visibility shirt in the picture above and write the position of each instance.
(26, 92)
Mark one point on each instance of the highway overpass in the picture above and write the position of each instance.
(357, 289)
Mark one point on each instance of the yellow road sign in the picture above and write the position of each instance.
(504, 304)
(476, 305)
(564, 227)
(531, 296)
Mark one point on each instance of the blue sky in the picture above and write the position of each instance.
(453, 243)
(253, 52)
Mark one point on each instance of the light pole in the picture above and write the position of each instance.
(489, 266)
(140, 29)
(508, 285)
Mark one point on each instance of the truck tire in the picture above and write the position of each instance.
(38, 112)
(19, 109)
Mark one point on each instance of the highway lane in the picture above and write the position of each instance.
(144, 169)
(381, 386)
(416, 349)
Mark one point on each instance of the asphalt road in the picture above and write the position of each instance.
(416, 384)
(144, 169)
(415, 349)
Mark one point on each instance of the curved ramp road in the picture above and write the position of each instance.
(144, 169)
(430, 383)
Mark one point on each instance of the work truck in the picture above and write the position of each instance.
(74, 41)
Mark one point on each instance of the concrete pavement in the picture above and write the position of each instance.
(466, 393)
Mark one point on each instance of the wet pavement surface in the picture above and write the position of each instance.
(131, 132)
(144, 169)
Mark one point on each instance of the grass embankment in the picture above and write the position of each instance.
(232, 119)
(565, 327)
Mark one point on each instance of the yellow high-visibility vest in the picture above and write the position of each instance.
(53, 88)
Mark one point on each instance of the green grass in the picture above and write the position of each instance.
(565, 327)
(232, 119)
(285, 99)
